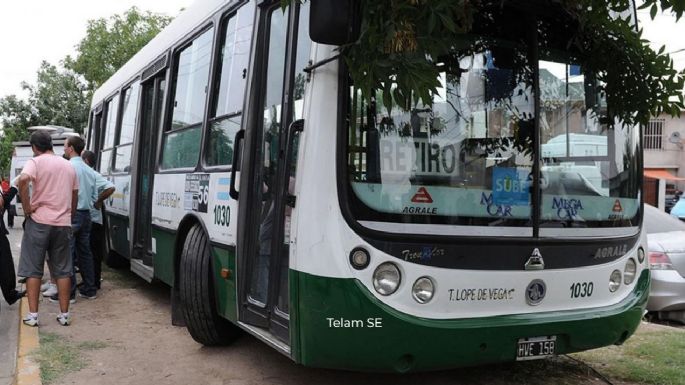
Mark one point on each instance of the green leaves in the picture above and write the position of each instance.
(110, 43)
(401, 39)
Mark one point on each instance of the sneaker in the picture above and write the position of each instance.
(30, 321)
(64, 320)
(51, 290)
(87, 296)
(55, 299)
(45, 286)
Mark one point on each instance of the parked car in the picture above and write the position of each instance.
(678, 209)
(666, 243)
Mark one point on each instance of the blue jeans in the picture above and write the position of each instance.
(81, 254)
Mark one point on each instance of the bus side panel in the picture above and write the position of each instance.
(343, 326)
(119, 233)
(163, 260)
(225, 288)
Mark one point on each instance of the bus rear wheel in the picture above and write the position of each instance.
(196, 287)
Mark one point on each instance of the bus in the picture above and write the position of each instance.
(257, 181)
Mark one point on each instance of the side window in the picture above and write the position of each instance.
(122, 159)
(189, 90)
(112, 108)
(229, 87)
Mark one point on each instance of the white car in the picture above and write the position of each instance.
(666, 240)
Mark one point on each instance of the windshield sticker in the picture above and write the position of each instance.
(473, 202)
(567, 209)
(422, 196)
(510, 186)
(494, 210)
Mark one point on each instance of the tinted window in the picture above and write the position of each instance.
(190, 78)
(110, 127)
(128, 120)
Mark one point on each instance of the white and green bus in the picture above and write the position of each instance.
(255, 179)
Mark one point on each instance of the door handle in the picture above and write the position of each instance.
(237, 155)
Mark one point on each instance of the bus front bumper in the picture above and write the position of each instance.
(339, 324)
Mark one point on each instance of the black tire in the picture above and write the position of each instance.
(196, 288)
(116, 260)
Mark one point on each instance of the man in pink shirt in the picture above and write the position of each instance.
(48, 212)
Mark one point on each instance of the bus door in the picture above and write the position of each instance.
(268, 173)
(152, 104)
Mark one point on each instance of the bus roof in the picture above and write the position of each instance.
(182, 25)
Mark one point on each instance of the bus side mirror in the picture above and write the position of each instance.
(335, 22)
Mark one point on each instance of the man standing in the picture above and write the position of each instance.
(48, 213)
(81, 222)
(104, 189)
(8, 281)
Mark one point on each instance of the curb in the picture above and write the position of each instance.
(28, 370)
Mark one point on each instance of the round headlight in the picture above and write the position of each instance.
(640, 255)
(629, 271)
(359, 258)
(386, 278)
(614, 281)
(423, 290)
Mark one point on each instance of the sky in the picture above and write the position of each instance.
(35, 30)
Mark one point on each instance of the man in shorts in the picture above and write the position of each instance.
(48, 211)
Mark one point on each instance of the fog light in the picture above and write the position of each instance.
(359, 258)
(386, 278)
(423, 290)
(640, 255)
(614, 281)
(629, 271)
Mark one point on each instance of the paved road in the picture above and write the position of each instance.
(9, 326)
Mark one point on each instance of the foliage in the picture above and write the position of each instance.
(402, 43)
(15, 116)
(110, 43)
(59, 98)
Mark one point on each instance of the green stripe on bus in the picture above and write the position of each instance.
(383, 339)
(164, 255)
(225, 288)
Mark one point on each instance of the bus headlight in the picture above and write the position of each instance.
(615, 280)
(423, 290)
(359, 258)
(386, 278)
(629, 271)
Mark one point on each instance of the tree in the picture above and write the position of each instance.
(59, 98)
(405, 44)
(110, 43)
(15, 116)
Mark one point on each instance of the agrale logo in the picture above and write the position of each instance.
(611, 252)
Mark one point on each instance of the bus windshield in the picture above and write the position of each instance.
(468, 159)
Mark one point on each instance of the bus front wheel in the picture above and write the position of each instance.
(196, 287)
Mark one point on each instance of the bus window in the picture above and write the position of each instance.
(110, 131)
(229, 88)
(191, 75)
(122, 159)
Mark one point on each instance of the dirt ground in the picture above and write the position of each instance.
(130, 322)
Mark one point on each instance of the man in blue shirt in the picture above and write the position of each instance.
(104, 189)
(81, 221)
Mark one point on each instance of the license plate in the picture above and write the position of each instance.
(533, 348)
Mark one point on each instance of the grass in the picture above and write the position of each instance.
(651, 356)
(58, 356)
(120, 277)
